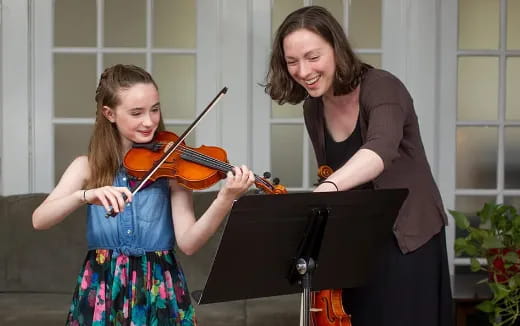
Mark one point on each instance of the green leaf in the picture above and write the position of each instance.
(487, 212)
(475, 265)
(486, 306)
(516, 221)
(499, 290)
(461, 220)
(479, 235)
(512, 257)
(493, 242)
(473, 251)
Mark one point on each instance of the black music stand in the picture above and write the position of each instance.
(283, 244)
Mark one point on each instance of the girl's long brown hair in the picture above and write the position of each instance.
(105, 148)
(349, 68)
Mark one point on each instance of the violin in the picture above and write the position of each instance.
(327, 305)
(194, 168)
(327, 309)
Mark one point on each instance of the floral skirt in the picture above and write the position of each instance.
(115, 289)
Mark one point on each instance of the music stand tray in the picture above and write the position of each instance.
(265, 235)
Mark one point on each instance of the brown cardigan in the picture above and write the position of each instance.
(389, 127)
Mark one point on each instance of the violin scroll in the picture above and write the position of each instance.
(324, 171)
(266, 186)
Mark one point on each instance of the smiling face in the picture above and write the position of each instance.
(137, 115)
(310, 61)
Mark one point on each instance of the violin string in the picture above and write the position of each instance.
(214, 163)
(204, 159)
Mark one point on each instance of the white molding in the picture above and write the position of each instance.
(501, 100)
(236, 75)
(147, 50)
(487, 192)
(422, 49)
(100, 33)
(393, 40)
(15, 172)
(261, 102)
(410, 52)
(149, 35)
(43, 143)
(447, 114)
(208, 82)
(2, 47)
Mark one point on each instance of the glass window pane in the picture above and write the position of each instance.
(174, 24)
(364, 28)
(481, 35)
(179, 130)
(280, 10)
(512, 87)
(477, 96)
(67, 147)
(175, 75)
(513, 24)
(372, 59)
(74, 100)
(74, 23)
(287, 154)
(470, 205)
(125, 28)
(512, 158)
(476, 157)
(334, 6)
(111, 59)
(286, 111)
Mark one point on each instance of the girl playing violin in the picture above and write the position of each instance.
(130, 274)
(363, 125)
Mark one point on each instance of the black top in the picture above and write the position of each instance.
(338, 153)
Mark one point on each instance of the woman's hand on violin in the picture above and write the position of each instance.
(237, 182)
(110, 197)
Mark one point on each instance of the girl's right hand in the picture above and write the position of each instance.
(109, 196)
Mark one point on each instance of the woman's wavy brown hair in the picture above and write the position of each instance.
(105, 149)
(349, 68)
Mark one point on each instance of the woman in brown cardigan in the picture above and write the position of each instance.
(363, 125)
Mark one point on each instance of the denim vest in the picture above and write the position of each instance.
(144, 225)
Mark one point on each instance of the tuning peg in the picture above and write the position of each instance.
(267, 174)
(276, 181)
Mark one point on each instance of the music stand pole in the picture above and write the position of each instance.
(306, 269)
(307, 257)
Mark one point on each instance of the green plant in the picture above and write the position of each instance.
(497, 240)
